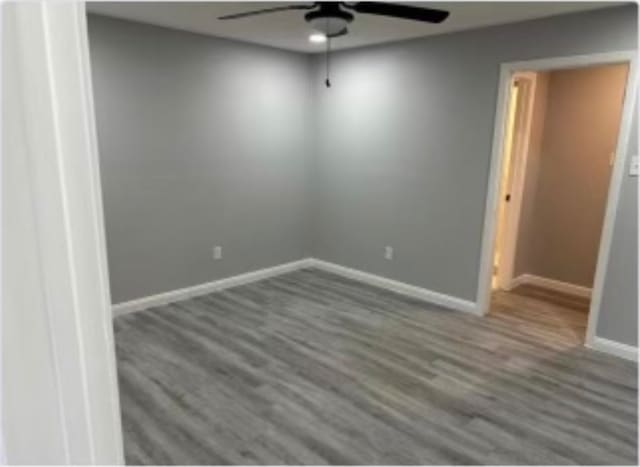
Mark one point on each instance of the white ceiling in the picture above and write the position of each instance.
(288, 30)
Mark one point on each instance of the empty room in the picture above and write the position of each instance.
(346, 233)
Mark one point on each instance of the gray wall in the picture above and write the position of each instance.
(206, 141)
(619, 311)
(582, 124)
(202, 142)
(404, 148)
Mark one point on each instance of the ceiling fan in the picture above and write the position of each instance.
(332, 18)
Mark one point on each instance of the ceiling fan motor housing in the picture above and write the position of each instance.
(330, 19)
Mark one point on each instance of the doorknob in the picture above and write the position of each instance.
(508, 197)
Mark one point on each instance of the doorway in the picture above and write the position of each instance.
(558, 159)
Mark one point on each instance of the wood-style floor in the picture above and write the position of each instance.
(312, 368)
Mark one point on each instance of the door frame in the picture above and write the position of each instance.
(507, 70)
(519, 160)
(52, 47)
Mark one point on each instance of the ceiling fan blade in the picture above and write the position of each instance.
(395, 10)
(268, 10)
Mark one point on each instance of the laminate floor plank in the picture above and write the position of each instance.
(313, 368)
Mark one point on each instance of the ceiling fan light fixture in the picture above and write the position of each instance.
(329, 19)
(318, 38)
(329, 26)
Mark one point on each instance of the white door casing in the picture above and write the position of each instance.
(63, 177)
(507, 70)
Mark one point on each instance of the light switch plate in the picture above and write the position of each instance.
(634, 166)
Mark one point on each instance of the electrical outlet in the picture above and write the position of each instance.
(217, 252)
(388, 252)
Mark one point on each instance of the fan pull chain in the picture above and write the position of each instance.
(327, 81)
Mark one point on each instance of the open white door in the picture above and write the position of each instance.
(516, 146)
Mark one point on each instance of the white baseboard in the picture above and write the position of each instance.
(403, 288)
(206, 288)
(603, 345)
(551, 284)
(625, 351)
(436, 298)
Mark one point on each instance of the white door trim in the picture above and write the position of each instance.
(489, 229)
(65, 181)
(519, 161)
